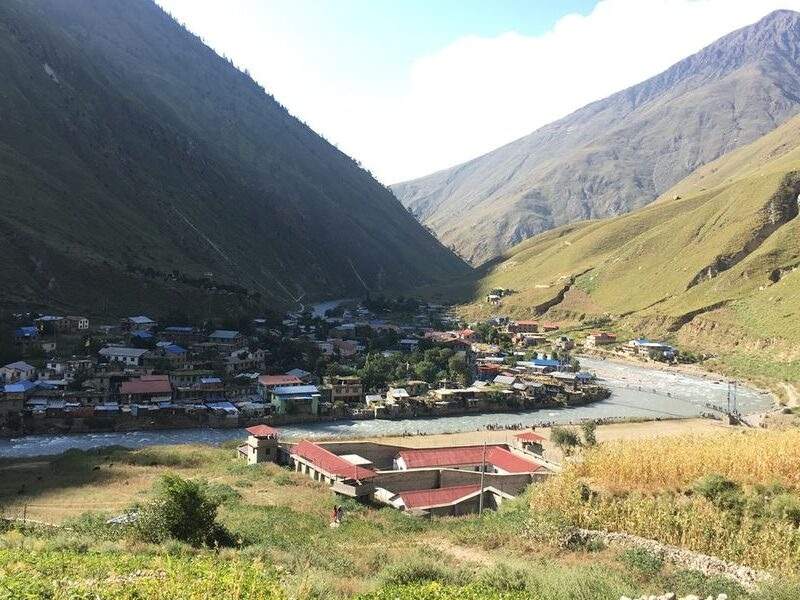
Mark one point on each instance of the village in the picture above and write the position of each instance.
(377, 359)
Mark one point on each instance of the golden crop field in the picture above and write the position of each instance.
(647, 465)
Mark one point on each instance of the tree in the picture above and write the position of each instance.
(426, 370)
(566, 439)
(589, 428)
(182, 510)
(459, 371)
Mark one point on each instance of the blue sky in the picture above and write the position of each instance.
(411, 86)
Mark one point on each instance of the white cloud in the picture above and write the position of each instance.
(479, 93)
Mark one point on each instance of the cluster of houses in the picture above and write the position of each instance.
(436, 481)
(139, 373)
(180, 375)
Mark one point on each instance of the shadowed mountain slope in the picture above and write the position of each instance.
(134, 161)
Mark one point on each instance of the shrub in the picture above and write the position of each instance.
(419, 570)
(724, 493)
(183, 510)
(589, 437)
(642, 562)
(566, 439)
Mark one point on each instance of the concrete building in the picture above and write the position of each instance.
(128, 356)
(347, 389)
(600, 338)
(261, 445)
(295, 400)
(147, 389)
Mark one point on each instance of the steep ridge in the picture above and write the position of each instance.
(134, 161)
(620, 153)
(719, 245)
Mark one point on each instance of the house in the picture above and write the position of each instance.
(490, 459)
(51, 324)
(77, 323)
(451, 501)
(182, 334)
(526, 340)
(139, 323)
(530, 441)
(25, 336)
(347, 389)
(550, 327)
(245, 361)
(346, 348)
(345, 474)
(646, 348)
(600, 338)
(261, 445)
(408, 344)
(267, 383)
(187, 378)
(505, 381)
(147, 389)
(17, 371)
(397, 395)
(295, 400)
(128, 356)
(523, 327)
(227, 337)
(540, 365)
(304, 376)
(563, 342)
(433, 481)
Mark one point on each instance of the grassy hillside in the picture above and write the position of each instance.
(285, 547)
(132, 154)
(713, 263)
(619, 153)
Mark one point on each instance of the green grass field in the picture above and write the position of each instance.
(285, 547)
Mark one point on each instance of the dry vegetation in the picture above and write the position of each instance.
(733, 496)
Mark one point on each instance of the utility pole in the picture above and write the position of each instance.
(483, 475)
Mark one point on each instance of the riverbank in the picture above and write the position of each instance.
(783, 394)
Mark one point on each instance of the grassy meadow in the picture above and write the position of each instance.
(285, 548)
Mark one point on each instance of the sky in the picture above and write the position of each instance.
(409, 87)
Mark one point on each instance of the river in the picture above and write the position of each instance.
(636, 391)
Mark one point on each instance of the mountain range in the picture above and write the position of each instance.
(138, 168)
(618, 154)
(714, 263)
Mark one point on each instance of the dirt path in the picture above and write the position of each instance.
(792, 397)
(462, 553)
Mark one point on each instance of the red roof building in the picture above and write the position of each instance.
(530, 436)
(273, 381)
(146, 388)
(262, 431)
(425, 499)
(329, 463)
(466, 456)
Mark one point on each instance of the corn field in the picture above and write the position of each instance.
(749, 458)
(645, 488)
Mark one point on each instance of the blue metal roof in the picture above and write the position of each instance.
(175, 349)
(295, 390)
(30, 331)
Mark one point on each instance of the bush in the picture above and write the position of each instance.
(183, 510)
(724, 493)
(589, 436)
(566, 439)
(415, 571)
(504, 579)
(694, 582)
(642, 562)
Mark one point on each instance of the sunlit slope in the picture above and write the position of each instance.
(723, 241)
